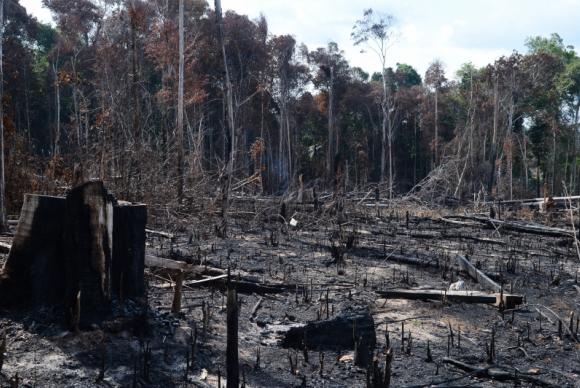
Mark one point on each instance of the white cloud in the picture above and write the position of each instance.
(35, 8)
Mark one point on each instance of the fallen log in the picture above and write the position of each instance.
(156, 233)
(532, 201)
(477, 275)
(160, 262)
(244, 285)
(519, 226)
(256, 307)
(206, 280)
(497, 373)
(509, 300)
(421, 261)
(340, 333)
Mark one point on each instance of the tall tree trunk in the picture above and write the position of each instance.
(134, 78)
(510, 139)
(493, 153)
(436, 140)
(179, 134)
(137, 136)
(289, 140)
(2, 181)
(574, 150)
(384, 124)
(330, 151)
(553, 180)
(56, 146)
(230, 107)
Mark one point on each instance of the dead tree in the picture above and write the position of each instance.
(3, 225)
(227, 187)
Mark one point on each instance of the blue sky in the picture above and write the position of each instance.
(453, 31)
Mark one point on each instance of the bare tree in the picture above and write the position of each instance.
(435, 78)
(230, 108)
(376, 32)
(2, 186)
(179, 137)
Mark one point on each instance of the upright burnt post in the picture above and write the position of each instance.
(128, 270)
(88, 249)
(33, 271)
(232, 362)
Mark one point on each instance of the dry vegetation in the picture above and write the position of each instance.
(341, 258)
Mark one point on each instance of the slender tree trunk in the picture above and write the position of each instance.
(179, 137)
(574, 151)
(56, 148)
(384, 124)
(230, 106)
(137, 135)
(553, 180)
(135, 81)
(511, 110)
(2, 179)
(436, 140)
(27, 103)
(289, 139)
(390, 161)
(493, 153)
(330, 152)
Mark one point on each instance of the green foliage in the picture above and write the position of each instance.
(406, 76)
(554, 45)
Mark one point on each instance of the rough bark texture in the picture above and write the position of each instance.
(88, 247)
(129, 222)
(34, 265)
(83, 250)
(339, 333)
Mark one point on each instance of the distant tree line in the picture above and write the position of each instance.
(102, 89)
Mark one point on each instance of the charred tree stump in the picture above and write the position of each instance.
(82, 251)
(33, 269)
(129, 221)
(347, 331)
(88, 249)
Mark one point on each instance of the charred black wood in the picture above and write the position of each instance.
(339, 333)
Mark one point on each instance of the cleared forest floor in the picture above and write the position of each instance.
(331, 263)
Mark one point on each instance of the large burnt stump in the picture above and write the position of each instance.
(33, 270)
(353, 330)
(84, 251)
(88, 248)
(129, 222)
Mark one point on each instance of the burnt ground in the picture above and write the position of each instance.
(308, 285)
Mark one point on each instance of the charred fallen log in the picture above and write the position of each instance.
(509, 300)
(477, 275)
(517, 226)
(351, 330)
(497, 373)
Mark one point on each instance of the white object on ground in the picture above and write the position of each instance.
(457, 286)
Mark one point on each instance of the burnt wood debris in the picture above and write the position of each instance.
(358, 291)
(85, 250)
